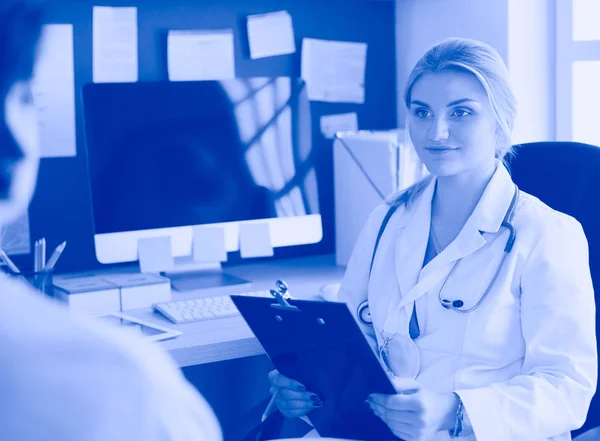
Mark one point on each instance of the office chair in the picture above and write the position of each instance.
(590, 435)
(566, 176)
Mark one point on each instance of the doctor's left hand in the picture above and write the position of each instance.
(415, 413)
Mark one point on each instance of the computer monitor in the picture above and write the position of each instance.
(165, 157)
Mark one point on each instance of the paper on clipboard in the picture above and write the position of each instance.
(334, 71)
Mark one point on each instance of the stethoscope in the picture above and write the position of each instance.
(364, 314)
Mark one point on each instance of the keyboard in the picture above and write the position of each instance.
(203, 308)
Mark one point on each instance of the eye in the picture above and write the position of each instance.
(422, 113)
(461, 112)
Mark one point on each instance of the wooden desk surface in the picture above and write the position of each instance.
(228, 338)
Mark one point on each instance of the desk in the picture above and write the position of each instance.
(230, 338)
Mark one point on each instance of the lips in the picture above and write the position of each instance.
(441, 148)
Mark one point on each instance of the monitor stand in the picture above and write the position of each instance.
(209, 277)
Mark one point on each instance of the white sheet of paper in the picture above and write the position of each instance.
(209, 244)
(53, 89)
(271, 34)
(155, 254)
(200, 55)
(15, 237)
(255, 240)
(115, 44)
(334, 71)
(331, 124)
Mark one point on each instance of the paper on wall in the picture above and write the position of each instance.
(15, 237)
(115, 44)
(255, 240)
(200, 55)
(343, 122)
(208, 244)
(271, 34)
(53, 89)
(334, 71)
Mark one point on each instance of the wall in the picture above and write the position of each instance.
(422, 23)
(531, 62)
(521, 31)
(61, 209)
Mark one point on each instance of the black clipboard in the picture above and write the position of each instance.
(320, 345)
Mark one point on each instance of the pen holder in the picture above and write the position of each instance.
(41, 281)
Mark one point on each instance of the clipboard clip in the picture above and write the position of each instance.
(281, 294)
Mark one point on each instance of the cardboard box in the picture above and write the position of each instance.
(368, 167)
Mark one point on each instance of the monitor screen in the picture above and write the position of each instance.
(170, 154)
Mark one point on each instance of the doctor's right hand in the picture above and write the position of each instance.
(292, 399)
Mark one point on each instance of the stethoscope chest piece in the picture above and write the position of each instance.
(364, 314)
(451, 304)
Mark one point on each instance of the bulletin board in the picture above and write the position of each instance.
(61, 208)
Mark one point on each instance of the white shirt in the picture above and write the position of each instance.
(62, 378)
(524, 363)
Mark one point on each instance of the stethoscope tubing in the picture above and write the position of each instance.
(363, 312)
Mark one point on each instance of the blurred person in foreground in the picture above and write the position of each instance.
(62, 378)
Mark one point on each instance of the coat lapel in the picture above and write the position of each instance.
(413, 279)
(411, 240)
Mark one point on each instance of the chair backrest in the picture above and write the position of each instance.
(590, 435)
(566, 176)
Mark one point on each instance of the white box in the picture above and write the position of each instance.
(140, 290)
(368, 167)
(88, 294)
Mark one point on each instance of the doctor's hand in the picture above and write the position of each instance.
(292, 399)
(415, 413)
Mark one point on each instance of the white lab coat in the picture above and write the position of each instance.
(525, 362)
(62, 378)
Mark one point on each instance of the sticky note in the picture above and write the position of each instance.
(155, 254)
(209, 244)
(255, 240)
(271, 34)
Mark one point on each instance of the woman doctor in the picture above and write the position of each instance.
(480, 299)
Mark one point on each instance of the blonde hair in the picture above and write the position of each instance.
(486, 64)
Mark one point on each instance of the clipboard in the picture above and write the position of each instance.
(320, 345)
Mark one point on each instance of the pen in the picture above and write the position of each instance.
(42, 254)
(55, 255)
(9, 262)
(36, 256)
(270, 406)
